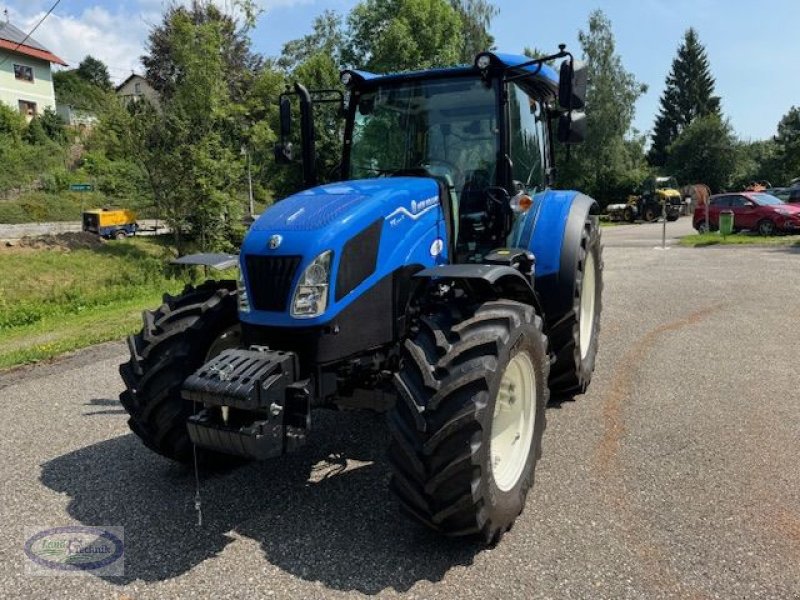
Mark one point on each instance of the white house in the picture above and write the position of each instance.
(26, 81)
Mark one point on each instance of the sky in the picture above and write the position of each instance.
(753, 48)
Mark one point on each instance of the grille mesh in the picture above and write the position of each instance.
(270, 280)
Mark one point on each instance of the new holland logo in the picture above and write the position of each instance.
(274, 241)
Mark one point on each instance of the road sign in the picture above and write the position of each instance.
(80, 187)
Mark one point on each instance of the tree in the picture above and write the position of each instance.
(604, 164)
(706, 150)
(689, 94)
(189, 147)
(95, 72)
(787, 147)
(73, 90)
(163, 68)
(476, 18)
(398, 35)
(327, 37)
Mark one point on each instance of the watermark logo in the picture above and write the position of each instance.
(75, 550)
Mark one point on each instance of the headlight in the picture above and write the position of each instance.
(311, 294)
(244, 301)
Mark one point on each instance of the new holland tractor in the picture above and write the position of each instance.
(442, 267)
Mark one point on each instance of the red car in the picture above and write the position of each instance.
(756, 211)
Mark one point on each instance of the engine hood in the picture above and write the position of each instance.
(404, 213)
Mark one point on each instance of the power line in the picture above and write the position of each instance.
(30, 33)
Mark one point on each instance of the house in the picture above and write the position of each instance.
(26, 82)
(135, 88)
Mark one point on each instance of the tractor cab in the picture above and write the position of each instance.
(483, 132)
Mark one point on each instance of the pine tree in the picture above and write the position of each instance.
(689, 94)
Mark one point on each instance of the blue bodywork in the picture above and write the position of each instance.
(325, 217)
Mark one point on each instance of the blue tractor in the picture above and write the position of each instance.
(442, 267)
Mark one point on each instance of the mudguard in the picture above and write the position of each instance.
(552, 230)
(218, 261)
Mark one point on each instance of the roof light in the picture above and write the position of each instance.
(483, 62)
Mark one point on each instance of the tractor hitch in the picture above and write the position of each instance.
(253, 403)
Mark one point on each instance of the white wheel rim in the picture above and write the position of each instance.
(513, 421)
(588, 297)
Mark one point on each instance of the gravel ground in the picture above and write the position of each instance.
(676, 475)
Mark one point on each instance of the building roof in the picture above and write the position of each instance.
(12, 38)
(127, 79)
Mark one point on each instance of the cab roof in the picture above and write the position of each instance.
(542, 74)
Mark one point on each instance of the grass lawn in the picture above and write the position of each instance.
(54, 301)
(738, 239)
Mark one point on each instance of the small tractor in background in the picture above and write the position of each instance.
(442, 268)
(657, 196)
(110, 223)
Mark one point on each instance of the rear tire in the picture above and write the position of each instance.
(175, 341)
(457, 467)
(766, 228)
(574, 335)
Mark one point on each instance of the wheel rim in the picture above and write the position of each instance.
(229, 338)
(588, 297)
(513, 421)
(766, 227)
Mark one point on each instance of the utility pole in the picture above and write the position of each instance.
(250, 184)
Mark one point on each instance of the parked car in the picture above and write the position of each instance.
(781, 193)
(794, 195)
(756, 211)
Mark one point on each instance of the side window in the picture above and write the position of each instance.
(737, 202)
(723, 202)
(527, 139)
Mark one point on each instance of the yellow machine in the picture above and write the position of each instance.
(117, 223)
(657, 194)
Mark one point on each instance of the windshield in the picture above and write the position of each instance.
(667, 183)
(767, 199)
(447, 127)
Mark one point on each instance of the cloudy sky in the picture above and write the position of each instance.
(753, 47)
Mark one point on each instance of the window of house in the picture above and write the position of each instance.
(23, 73)
(527, 139)
(137, 88)
(27, 108)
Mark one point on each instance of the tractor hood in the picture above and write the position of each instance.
(372, 227)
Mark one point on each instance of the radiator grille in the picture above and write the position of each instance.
(270, 280)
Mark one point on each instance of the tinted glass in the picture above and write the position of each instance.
(449, 127)
(527, 139)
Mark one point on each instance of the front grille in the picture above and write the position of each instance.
(270, 280)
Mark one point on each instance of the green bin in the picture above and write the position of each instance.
(726, 222)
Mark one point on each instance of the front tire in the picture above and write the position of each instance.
(462, 463)
(766, 228)
(176, 340)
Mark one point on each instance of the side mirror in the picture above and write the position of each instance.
(285, 118)
(572, 127)
(572, 84)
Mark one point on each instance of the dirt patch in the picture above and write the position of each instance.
(73, 240)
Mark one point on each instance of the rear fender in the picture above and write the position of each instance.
(552, 230)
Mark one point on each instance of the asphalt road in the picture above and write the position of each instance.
(676, 475)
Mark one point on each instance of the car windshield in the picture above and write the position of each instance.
(667, 183)
(446, 126)
(767, 199)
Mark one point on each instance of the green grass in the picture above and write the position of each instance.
(738, 239)
(54, 301)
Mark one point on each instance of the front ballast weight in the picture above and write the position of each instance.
(254, 405)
